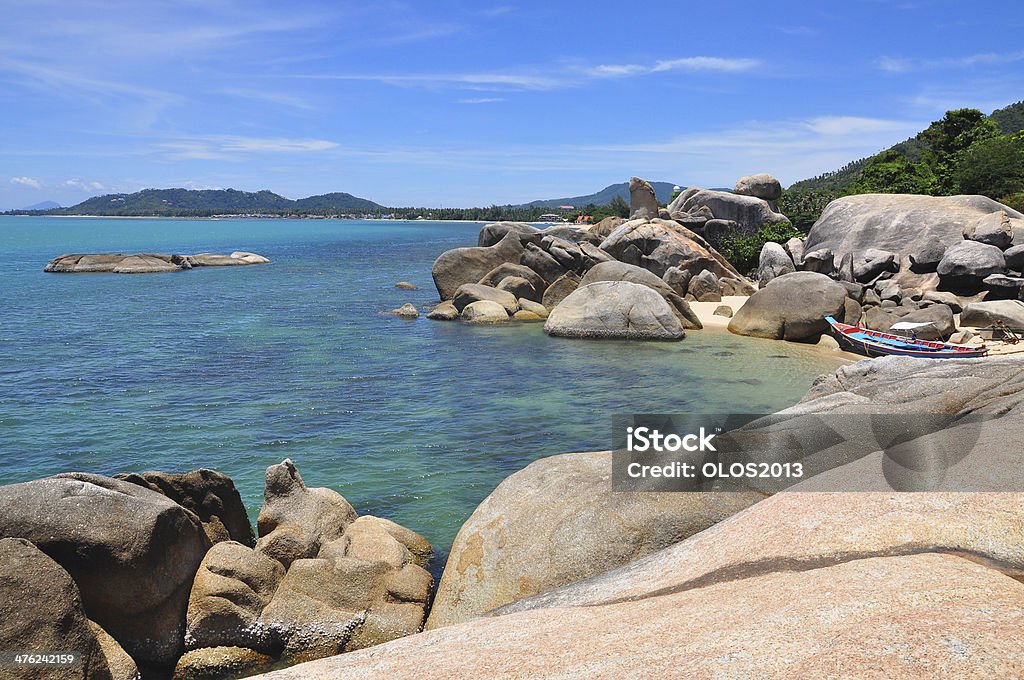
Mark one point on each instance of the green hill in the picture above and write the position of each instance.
(1008, 120)
(205, 202)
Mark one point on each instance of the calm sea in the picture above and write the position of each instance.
(237, 368)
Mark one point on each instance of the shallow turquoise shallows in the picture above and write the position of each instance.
(237, 368)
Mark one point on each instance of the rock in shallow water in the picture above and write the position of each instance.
(147, 263)
(484, 311)
(614, 309)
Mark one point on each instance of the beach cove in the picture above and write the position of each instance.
(416, 421)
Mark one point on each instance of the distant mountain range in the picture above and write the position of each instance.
(205, 202)
(663, 190)
(44, 205)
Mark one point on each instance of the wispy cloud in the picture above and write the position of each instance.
(30, 182)
(902, 65)
(69, 83)
(545, 79)
(235, 148)
(279, 98)
(82, 185)
(482, 100)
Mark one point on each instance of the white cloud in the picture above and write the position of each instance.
(30, 182)
(900, 65)
(75, 183)
(482, 100)
(692, 64)
(228, 147)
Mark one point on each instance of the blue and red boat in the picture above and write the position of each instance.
(876, 344)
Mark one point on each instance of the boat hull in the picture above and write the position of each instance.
(877, 344)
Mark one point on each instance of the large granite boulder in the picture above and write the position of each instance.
(468, 265)
(602, 229)
(773, 262)
(870, 263)
(520, 288)
(507, 269)
(560, 289)
(1014, 258)
(492, 234)
(822, 261)
(296, 521)
(558, 521)
(211, 495)
(939, 318)
(987, 313)
(705, 287)
(566, 253)
(761, 185)
(791, 307)
(749, 212)
(658, 245)
(620, 271)
(971, 260)
(232, 587)
(484, 312)
(643, 203)
(994, 229)
(221, 663)
(795, 248)
(472, 292)
(919, 616)
(614, 309)
(907, 224)
(542, 262)
(132, 552)
(41, 611)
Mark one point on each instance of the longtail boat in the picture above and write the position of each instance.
(876, 344)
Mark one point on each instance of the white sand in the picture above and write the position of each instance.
(705, 311)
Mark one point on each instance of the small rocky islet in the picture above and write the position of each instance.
(146, 263)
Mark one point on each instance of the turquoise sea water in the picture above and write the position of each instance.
(237, 368)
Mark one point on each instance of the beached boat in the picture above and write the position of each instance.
(876, 343)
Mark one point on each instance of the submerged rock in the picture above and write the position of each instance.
(474, 292)
(444, 312)
(406, 311)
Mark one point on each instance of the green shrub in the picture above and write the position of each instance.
(743, 250)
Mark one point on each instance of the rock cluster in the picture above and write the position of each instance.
(899, 258)
(147, 263)
(161, 574)
(519, 272)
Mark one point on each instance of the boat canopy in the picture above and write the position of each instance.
(909, 325)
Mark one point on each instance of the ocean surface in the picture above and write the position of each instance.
(238, 368)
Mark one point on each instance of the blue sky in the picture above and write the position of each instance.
(470, 103)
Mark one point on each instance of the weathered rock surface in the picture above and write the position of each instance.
(211, 495)
(643, 204)
(406, 311)
(519, 287)
(543, 263)
(474, 292)
(971, 259)
(468, 265)
(773, 262)
(296, 521)
(705, 287)
(796, 250)
(492, 234)
(987, 313)
(749, 212)
(614, 309)
(620, 271)
(907, 224)
(507, 269)
(560, 289)
(916, 616)
(821, 261)
(1002, 287)
(658, 245)
(219, 663)
(869, 263)
(132, 552)
(406, 285)
(761, 185)
(41, 610)
(602, 229)
(791, 307)
(938, 316)
(484, 311)
(723, 310)
(444, 312)
(146, 263)
(1014, 258)
(994, 229)
(232, 587)
(558, 521)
